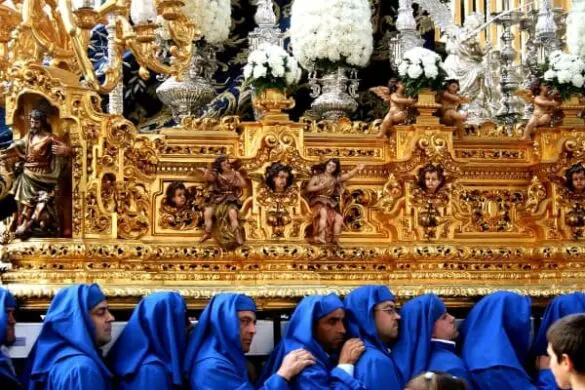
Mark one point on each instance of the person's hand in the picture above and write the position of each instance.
(295, 362)
(351, 351)
(542, 362)
(60, 149)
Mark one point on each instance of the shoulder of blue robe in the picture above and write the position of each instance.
(8, 380)
(215, 373)
(375, 367)
(319, 377)
(499, 378)
(546, 380)
(152, 375)
(76, 372)
(558, 308)
(444, 359)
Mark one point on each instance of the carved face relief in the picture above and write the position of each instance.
(432, 181)
(579, 181)
(179, 198)
(226, 166)
(280, 181)
(330, 167)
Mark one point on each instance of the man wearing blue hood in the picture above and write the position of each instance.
(558, 308)
(496, 337)
(149, 352)
(215, 357)
(372, 316)
(317, 326)
(66, 354)
(426, 342)
(8, 378)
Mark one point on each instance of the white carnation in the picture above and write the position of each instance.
(272, 61)
(331, 29)
(564, 76)
(403, 68)
(578, 80)
(248, 71)
(259, 71)
(431, 72)
(550, 74)
(212, 17)
(414, 71)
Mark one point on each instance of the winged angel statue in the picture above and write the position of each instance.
(473, 65)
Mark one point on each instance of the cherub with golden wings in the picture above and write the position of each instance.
(399, 103)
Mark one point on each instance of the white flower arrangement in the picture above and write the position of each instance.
(421, 68)
(576, 29)
(212, 17)
(331, 32)
(270, 66)
(565, 73)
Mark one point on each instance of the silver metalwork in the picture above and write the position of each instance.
(530, 62)
(408, 36)
(116, 95)
(546, 32)
(187, 95)
(335, 93)
(268, 30)
(512, 107)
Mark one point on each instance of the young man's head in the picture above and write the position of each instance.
(566, 349)
(102, 321)
(387, 321)
(330, 331)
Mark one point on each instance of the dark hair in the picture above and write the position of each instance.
(535, 87)
(273, 170)
(171, 189)
(393, 85)
(567, 337)
(41, 117)
(216, 166)
(574, 169)
(451, 81)
(436, 381)
(430, 168)
(320, 168)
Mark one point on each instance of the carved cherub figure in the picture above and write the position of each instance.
(325, 189)
(544, 101)
(399, 103)
(226, 182)
(450, 102)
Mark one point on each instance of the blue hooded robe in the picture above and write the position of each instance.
(558, 308)
(299, 334)
(215, 358)
(8, 377)
(65, 355)
(376, 365)
(149, 352)
(496, 337)
(415, 352)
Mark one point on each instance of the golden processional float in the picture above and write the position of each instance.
(275, 208)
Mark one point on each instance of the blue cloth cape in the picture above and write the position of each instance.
(149, 352)
(495, 341)
(299, 334)
(65, 355)
(377, 364)
(7, 301)
(215, 358)
(412, 351)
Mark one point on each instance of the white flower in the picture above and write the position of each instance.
(335, 30)
(259, 71)
(564, 76)
(550, 74)
(431, 72)
(576, 29)
(403, 68)
(578, 80)
(414, 71)
(212, 17)
(248, 69)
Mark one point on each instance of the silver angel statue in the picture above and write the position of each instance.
(470, 63)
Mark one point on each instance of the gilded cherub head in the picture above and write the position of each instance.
(176, 195)
(575, 178)
(431, 177)
(279, 177)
